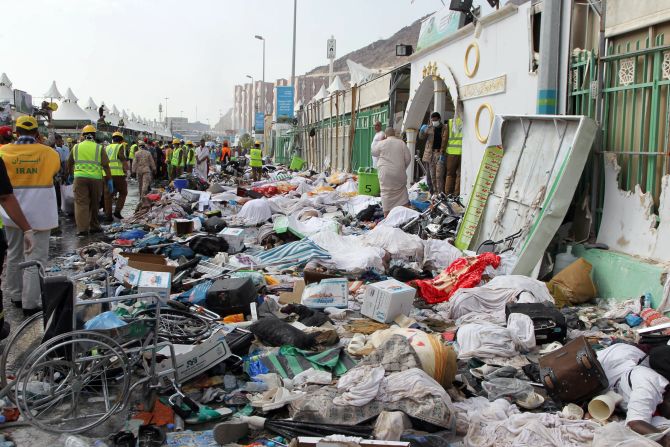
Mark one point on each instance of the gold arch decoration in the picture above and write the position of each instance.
(480, 137)
(468, 72)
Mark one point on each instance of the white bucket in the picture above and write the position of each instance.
(602, 407)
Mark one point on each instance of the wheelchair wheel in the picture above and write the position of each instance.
(177, 326)
(73, 382)
(20, 344)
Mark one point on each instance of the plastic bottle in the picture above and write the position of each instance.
(563, 260)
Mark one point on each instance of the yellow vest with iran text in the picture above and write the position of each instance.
(87, 157)
(256, 158)
(190, 158)
(115, 164)
(31, 169)
(455, 143)
(131, 153)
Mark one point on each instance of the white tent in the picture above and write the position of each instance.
(91, 110)
(53, 92)
(132, 123)
(359, 73)
(321, 94)
(336, 86)
(113, 116)
(6, 92)
(69, 110)
(298, 105)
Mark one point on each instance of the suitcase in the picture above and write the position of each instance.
(549, 322)
(572, 374)
(231, 296)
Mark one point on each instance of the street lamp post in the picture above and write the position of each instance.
(253, 103)
(263, 99)
(295, 14)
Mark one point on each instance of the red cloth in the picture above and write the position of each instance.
(5, 131)
(652, 317)
(463, 273)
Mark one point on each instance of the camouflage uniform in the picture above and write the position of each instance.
(144, 166)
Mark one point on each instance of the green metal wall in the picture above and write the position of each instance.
(636, 112)
(365, 121)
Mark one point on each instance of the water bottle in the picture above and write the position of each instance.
(647, 300)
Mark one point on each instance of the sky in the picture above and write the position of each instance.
(134, 53)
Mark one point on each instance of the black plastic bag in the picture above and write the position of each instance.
(208, 245)
(214, 224)
(275, 332)
(307, 316)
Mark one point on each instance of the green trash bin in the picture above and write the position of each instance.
(296, 163)
(368, 182)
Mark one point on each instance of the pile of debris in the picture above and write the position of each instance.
(324, 324)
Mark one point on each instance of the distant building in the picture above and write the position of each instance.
(187, 130)
(248, 100)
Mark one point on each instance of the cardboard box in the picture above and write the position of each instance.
(293, 297)
(193, 360)
(331, 292)
(128, 266)
(148, 262)
(182, 226)
(385, 300)
(155, 282)
(190, 195)
(235, 239)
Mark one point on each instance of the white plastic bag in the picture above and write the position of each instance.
(522, 331)
(398, 216)
(67, 199)
(255, 211)
(501, 387)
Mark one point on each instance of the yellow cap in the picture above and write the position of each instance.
(88, 129)
(117, 134)
(26, 122)
(189, 143)
(175, 141)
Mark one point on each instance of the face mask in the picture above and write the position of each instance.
(435, 123)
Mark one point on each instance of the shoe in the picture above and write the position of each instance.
(108, 219)
(150, 436)
(30, 312)
(82, 233)
(18, 304)
(118, 215)
(95, 230)
(124, 439)
(230, 431)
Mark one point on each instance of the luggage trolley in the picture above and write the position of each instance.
(69, 380)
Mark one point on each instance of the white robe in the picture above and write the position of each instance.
(393, 159)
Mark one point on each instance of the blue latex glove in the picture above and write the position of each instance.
(423, 128)
(110, 186)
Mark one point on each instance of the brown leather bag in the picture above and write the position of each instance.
(573, 373)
